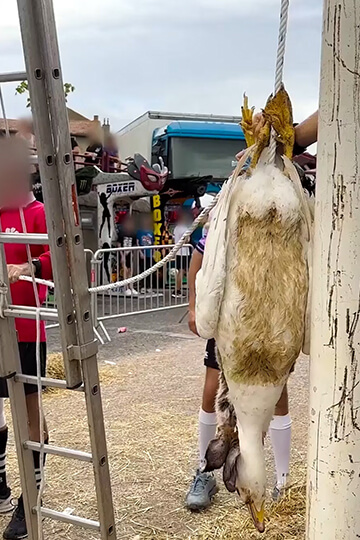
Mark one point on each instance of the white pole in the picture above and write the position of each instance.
(334, 446)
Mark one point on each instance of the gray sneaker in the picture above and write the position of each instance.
(277, 494)
(201, 491)
(279, 491)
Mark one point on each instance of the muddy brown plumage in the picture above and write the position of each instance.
(266, 347)
(219, 447)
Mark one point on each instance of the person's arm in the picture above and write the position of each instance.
(89, 152)
(306, 133)
(75, 146)
(195, 265)
(41, 266)
(141, 252)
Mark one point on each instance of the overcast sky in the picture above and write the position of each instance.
(128, 56)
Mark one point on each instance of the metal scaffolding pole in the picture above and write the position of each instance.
(334, 445)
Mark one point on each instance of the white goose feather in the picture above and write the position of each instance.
(259, 278)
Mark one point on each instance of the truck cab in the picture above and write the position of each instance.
(197, 152)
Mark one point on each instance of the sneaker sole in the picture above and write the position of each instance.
(198, 508)
(17, 538)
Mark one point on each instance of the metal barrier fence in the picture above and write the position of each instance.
(50, 301)
(164, 289)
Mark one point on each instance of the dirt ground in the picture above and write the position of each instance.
(152, 388)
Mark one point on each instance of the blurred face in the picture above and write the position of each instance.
(111, 142)
(184, 218)
(14, 173)
(129, 225)
(94, 134)
(147, 222)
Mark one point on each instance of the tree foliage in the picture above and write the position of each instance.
(23, 88)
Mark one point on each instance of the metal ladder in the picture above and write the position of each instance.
(51, 126)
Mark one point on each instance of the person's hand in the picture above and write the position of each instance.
(240, 155)
(17, 270)
(192, 322)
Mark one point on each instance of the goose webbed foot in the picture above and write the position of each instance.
(278, 112)
(216, 454)
(230, 467)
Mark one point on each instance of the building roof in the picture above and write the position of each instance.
(78, 128)
(74, 115)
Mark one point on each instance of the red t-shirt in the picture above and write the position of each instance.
(22, 292)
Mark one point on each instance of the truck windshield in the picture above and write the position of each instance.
(192, 157)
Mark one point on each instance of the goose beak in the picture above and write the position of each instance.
(257, 516)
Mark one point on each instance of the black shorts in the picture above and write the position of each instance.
(182, 262)
(210, 355)
(27, 352)
(128, 261)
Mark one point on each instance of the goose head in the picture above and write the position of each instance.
(251, 475)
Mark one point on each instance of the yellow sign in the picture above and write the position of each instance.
(157, 218)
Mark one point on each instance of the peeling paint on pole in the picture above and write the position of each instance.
(334, 445)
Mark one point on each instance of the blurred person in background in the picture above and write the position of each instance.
(198, 233)
(76, 151)
(95, 149)
(75, 148)
(183, 255)
(126, 239)
(111, 148)
(145, 237)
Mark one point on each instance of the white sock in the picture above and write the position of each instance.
(207, 432)
(280, 435)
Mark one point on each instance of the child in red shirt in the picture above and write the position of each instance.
(17, 203)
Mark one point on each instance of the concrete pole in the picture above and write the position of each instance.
(334, 448)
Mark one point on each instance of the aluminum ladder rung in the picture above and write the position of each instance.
(16, 76)
(24, 238)
(59, 451)
(68, 518)
(45, 381)
(28, 312)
